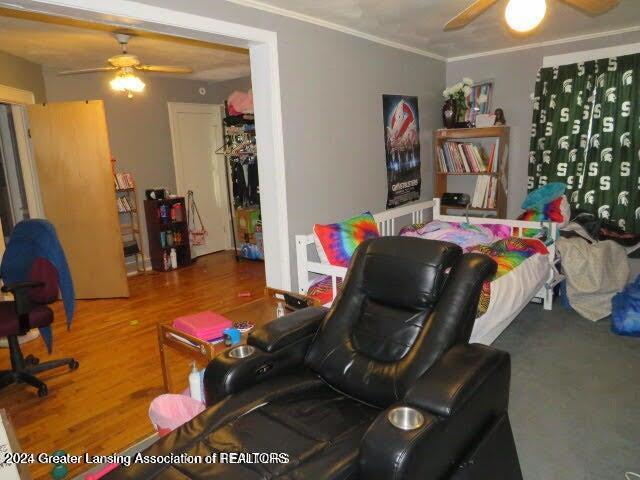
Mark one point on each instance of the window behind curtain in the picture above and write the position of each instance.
(586, 133)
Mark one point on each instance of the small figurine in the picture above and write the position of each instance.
(500, 120)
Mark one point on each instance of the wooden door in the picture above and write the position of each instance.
(73, 159)
(196, 134)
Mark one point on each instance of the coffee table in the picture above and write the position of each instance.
(259, 312)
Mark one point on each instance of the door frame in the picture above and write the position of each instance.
(174, 108)
(265, 73)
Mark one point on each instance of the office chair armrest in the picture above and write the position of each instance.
(18, 287)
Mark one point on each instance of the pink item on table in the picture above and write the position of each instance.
(203, 325)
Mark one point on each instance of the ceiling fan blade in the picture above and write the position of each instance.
(88, 70)
(163, 69)
(593, 7)
(468, 14)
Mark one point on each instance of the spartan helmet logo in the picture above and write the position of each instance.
(627, 78)
(563, 143)
(638, 213)
(552, 101)
(625, 139)
(546, 156)
(603, 211)
(610, 95)
(622, 224)
(581, 69)
(583, 141)
(606, 155)
(532, 157)
(573, 155)
(575, 196)
(536, 103)
(541, 144)
(590, 196)
(555, 72)
(595, 141)
(623, 198)
(601, 78)
(567, 85)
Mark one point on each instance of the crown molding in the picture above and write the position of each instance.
(547, 43)
(334, 26)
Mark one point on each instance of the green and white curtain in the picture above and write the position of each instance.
(586, 133)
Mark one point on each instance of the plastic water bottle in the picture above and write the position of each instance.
(195, 387)
(174, 259)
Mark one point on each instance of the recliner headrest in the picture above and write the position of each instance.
(405, 272)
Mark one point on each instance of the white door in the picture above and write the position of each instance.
(196, 134)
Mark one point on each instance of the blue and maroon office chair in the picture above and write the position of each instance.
(29, 310)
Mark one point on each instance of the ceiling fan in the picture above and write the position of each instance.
(524, 15)
(125, 66)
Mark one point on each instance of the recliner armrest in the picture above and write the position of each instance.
(287, 329)
(459, 397)
(458, 376)
(280, 346)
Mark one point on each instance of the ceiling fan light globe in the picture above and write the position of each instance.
(524, 15)
(127, 82)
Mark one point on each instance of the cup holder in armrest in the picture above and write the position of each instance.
(405, 418)
(241, 351)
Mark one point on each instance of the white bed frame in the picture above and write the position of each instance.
(391, 221)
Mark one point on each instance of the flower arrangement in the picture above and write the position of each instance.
(459, 92)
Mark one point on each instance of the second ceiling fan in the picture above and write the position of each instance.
(524, 15)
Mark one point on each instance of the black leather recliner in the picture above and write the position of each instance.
(323, 386)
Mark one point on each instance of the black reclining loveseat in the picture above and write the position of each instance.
(384, 385)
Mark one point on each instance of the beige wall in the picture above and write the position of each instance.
(139, 131)
(19, 73)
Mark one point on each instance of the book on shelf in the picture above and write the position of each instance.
(123, 181)
(466, 157)
(124, 205)
(484, 195)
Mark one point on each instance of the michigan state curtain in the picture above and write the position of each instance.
(586, 133)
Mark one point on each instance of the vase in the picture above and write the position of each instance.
(449, 114)
(461, 121)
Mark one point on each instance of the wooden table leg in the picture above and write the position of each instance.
(163, 360)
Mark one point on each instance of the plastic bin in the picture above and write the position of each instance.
(167, 412)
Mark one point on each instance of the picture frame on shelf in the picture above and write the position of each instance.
(479, 100)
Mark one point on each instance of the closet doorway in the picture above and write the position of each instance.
(196, 135)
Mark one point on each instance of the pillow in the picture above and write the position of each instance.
(336, 242)
(539, 197)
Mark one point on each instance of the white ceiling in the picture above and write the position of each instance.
(63, 47)
(418, 23)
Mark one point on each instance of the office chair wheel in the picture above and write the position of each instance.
(43, 391)
(74, 365)
(31, 360)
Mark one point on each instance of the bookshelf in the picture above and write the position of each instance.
(167, 230)
(466, 153)
(127, 204)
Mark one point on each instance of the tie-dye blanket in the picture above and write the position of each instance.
(508, 254)
(491, 240)
(463, 234)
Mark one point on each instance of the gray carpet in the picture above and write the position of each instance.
(575, 396)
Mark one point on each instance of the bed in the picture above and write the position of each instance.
(531, 280)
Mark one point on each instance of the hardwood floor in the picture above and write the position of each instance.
(101, 408)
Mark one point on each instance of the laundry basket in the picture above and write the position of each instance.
(167, 412)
